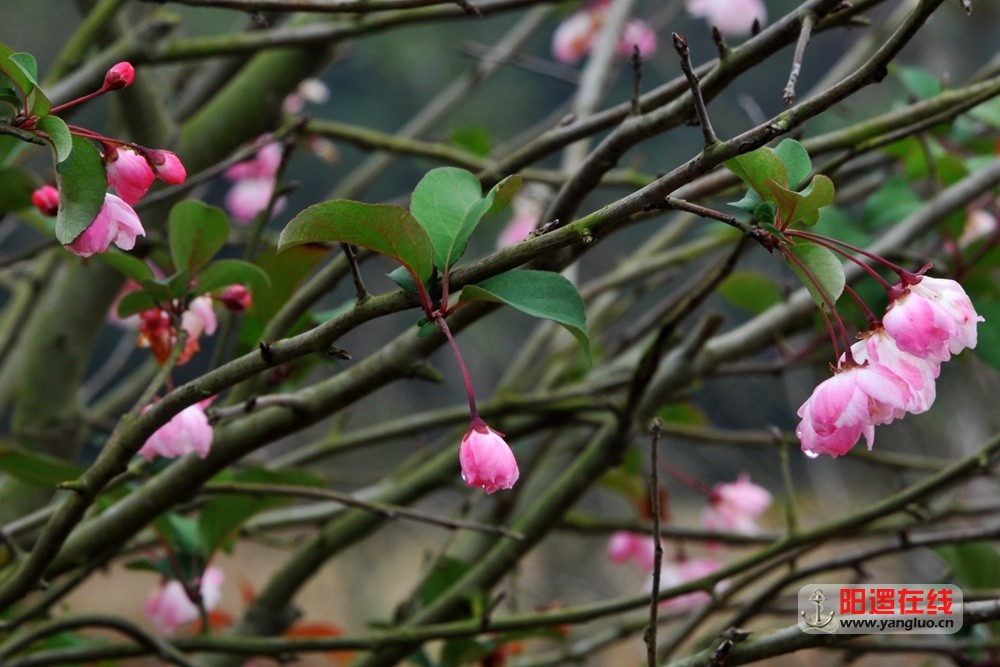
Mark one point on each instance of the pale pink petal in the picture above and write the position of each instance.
(486, 459)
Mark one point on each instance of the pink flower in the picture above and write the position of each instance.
(932, 319)
(254, 183)
(308, 90)
(169, 608)
(119, 76)
(129, 173)
(978, 224)
(236, 298)
(637, 33)
(486, 459)
(848, 405)
(919, 374)
(574, 36)
(675, 573)
(188, 431)
(116, 223)
(46, 200)
(731, 17)
(734, 507)
(264, 164)
(168, 167)
(625, 545)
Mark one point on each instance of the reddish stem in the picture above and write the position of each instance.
(473, 412)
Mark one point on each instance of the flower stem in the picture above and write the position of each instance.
(473, 412)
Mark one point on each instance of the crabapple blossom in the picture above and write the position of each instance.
(932, 319)
(848, 405)
(119, 76)
(487, 461)
(919, 374)
(157, 331)
(677, 572)
(574, 37)
(46, 200)
(735, 506)
(978, 224)
(236, 298)
(116, 223)
(168, 167)
(731, 17)
(128, 172)
(254, 182)
(169, 608)
(624, 545)
(188, 431)
(638, 34)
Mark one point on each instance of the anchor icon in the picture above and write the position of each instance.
(817, 620)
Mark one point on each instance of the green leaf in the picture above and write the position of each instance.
(476, 140)
(463, 651)
(16, 186)
(503, 192)
(495, 200)
(756, 167)
(28, 81)
(82, 185)
(382, 228)
(795, 157)
(750, 290)
(440, 203)
(765, 213)
(197, 232)
(225, 272)
(894, 201)
(446, 571)
(27, 63)
(804, 206)
(825, 268)
(59, 136)
(976, 564)
(919, 82)
(223, 515)
(127, 265)
(135, 302)
(285, 272)
(751, 200)
(36, 469)
(539, 294)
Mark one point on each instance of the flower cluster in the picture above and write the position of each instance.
(130, 169)
(187, 432)
(169, 607)
(575, 36)
(254, 181)
(157, 329)
(891, 371)
(731, 17)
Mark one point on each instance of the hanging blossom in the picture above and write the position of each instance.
(129, 168)
(486, 458)
(187, 432)
(169, 607)
(732, 17)
(254, 181)
(734, 507)
(891, 371)
(574, 37)
(158, 332)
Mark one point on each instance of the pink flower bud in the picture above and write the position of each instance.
(46, 200)
(486, 459)
(188, 431)
(119, 76)
(116, 223)
(168, 167)
(129, 173)
(236, 298)
(734, 507)
(169, 608)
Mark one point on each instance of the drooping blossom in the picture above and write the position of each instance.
(119, 76)
(168, 166)
(681, 571)
(308, 90)
(876, 346)
(732, 17)
(486, 459)
(128, 172)
(575, 35)
(734, 507)
(169, 608)
(848, 405)
(624, 545)
(116, 223)
(236, 298)
(158, 333)
(254, 183)
(932, 319)
(46, 200)
(188, 431)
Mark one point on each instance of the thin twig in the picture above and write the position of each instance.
(360, 293)
(636, 80)
(649, 636)
(681, 45)
(808, 21)
(387, 511)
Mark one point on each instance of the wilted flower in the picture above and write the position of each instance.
(487, 461)
(169, 608)
(188, 431)
(734, 507)
(116, 223)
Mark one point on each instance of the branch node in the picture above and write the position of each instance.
(266, 354)
(681, 45)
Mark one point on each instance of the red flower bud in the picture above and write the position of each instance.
(168, 166)
(236, 298)
(46, 200)
(119, 76)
